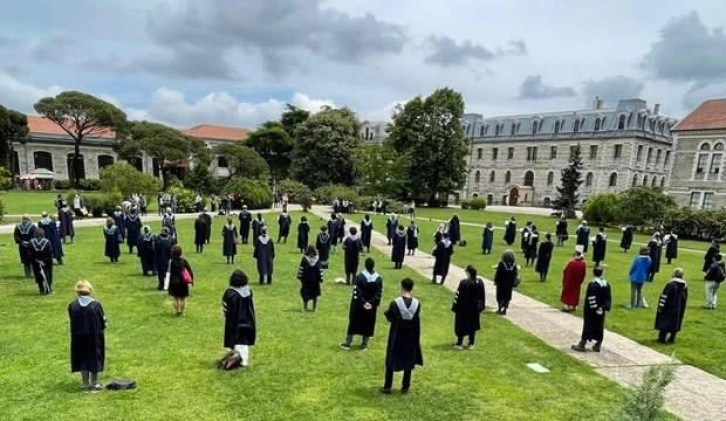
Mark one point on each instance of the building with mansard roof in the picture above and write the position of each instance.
(516, 160)
(373, 131)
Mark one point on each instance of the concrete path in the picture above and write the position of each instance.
(522, 209)
(693, 395)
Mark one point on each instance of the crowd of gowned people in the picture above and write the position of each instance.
(161, 256)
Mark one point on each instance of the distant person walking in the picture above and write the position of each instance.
(598, 301)
(469, 303)
(671, 308)
(639, 275)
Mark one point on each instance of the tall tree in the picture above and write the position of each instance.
(243, 161)
(325, 147)
(567, 196)
(429, 132)
(13, 127)
(292, 118)
(275, 146)
(382, 171)
(81, 116)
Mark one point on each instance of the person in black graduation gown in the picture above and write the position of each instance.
(598, 300)
(178, 286)
(583, 236)
(391, 225)
(627, 240)
(352, 247)
(367, 294)
(487, 240)
(455, 230)
(132, 224)
(510, 231)
(469, 303)
(229, 240)
(23, 233)
(310, 275)
(412, 238)
(398, 251)
(245, 220)
(671, 308)
(443, 251)
(42, 251)
(257, 226)
(208, 223)
(322, 245)
(303, 234)
(524, 238)
(145, 248)
(530, 249)
(200, 233)
(283, 221)
(561, 231)
(655, 250)
(240, 321)
(162, 251)
(113, 237)
(118, 221)
(66, 218)
(671, 246)
(265, 255)
(403, 351)
(599, 247)
(544, 256)
(341, 228)
(50, 229)
(712, 251)
(504, 279)
(88, 344)
(366, 232)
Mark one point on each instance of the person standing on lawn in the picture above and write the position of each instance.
(200, 233)
(403, 351)
(671, 308)
(303, 234)
(639, 275)
(283, 221)
(146, 251)
(505, 279)
(230, 238)
(598, 301)
(391, 225)
(544, 256)
(487, 239)
(66, 218)
(132, 224)
(42, 252)
(366, 232)
(245, 220)
(333, 226)
(113, 237)
(443, 251)
(240, 322)
(207, 225)
(88, 344)
(181, 278)
(50, 229)
(712, 251)
(561, 231)
(530, 247)
(572, 278)
(599, 247)
(714, 277)
(322, 245)
(398, 251)
(469, 303)
(23, 233)
(583, 236)
(367, 294)
(265, 255)
(671, 245)
(162, 250)
(118, 220)
(310, 275)
(655, 246)
(257, 226)
(352, 247)
(627, 240)
(412, 238)
(510, 231)
(455, 230)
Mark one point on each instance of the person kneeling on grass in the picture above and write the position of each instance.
(240, 325)
(88, 349)
(367, 293)
(403, 352)
(598, 300)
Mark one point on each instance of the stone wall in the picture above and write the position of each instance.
(684, 179)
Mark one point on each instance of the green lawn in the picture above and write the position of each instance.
(34, 203)
(702, 342)
(297, 370)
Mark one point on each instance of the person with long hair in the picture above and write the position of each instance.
(469, 303)
(504, 279)
(442, 254)
(310, 275)
(240, 321)
(88, 344)
(181, 278)
(230, 238)
(113, 237)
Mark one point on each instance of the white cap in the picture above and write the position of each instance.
(579, 248)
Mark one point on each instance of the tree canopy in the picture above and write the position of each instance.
(642, 206)
(13, 126)
(292, 118)
(325, 147)
(382, 171)
(127, 180)
(81, 115)
(275, 146)
(429, 132)
(567, 196)
(243, 161)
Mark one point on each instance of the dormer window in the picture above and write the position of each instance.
(557, 126)
(577, 126)
(597, 124)
(621, 123)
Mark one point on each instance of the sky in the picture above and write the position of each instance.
(238, 62)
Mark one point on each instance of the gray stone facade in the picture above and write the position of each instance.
(697, 179)
(373, 131)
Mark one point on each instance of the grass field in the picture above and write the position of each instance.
(297, 370)
(34, 203)
(701, 343)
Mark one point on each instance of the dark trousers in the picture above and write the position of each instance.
(131, 249)
(472, 339)
(160, 275)
(262, 279)
(398, 265)
(405, 384)
(663, 334)
(200, 248)
(349, 277)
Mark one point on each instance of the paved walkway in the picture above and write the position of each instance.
(693, 395)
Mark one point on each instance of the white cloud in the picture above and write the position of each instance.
(21, 95)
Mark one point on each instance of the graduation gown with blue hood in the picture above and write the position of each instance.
(132, 224)
(368, 288)
(265, 255)
(113, 237)
(403, 351)
(88, 345)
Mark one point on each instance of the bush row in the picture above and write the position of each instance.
(697, 224)
(476, 203)
(86, 184)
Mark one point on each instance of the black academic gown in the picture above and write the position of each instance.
(599, 248)
(708, 258)
(353, 247)
(229, 240)
(627, 239)
(510, 232)
(524, 238)
(322, 245)
(403, 351)
(654, 248)
(544, 256)
(391, 227)
(597, 296)
(240, 325)
(454, 230)
(672, 247)
(672, 306)
(257, 226)
(133, 225)
(368, 288)
(208, 227)
(561, 229)
(487, 240)
(88, 346)
(504, 279)
(583, 237)
(310, 275)
(113, 237)
(51, 233)
(283, 222)
(66, 223)
(200, 231)
(42, 251)
(24, 232)
(145, 251)
(398, 251)
(333, 231)
(245, 219)
(443, 251)
(118, 220)
(530, 250)
(366, 233)
(469, 302)
(162, 251)
(265, 255)
(412, 237)
(303, 235)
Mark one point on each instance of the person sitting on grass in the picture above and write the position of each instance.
(240, 322)
(88, 347)
(598, 300)
(366, 298)
(310, 275)
(403, 352)
(671, 308)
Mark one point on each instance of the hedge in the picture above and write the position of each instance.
(255, 193)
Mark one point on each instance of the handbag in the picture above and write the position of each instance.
(186, 276)
(167, 277)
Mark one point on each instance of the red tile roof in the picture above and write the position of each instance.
(41, 125)
(214, 132)
(711, 115)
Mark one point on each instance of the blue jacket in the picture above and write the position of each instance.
(640, 269)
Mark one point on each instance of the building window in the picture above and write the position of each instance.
(662, 183)
(618, 152)
(496, 130)
(702, 162)
(553, 152)
(645, 181)
(478, 153)
(649, 156)
(573, 148)
(510, 153)
(535, 125)
(614, 180)
(658, 154)
(635, 180)
(718, 147)
(550, 178)
(531, 153)
(508, 177)
(155, 167)
(639, 155)
(495, 154)
(477, 177)
(588, 179)
(593, 151)
(621, 123)
(707, 201)
(43, 160)
(715, 164)
(222, 162)
(529, 179)
(557, 127)
(577, 126)
(481, 131)
(136, 162)
(80, 167)
(597, 124)
(666, 159)
(492, 176)
(104, 161)
(695, 199)
(653, 182)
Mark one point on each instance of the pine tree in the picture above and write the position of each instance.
(567, 194)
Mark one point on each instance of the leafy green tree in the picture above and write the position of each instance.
(81, 115)
(292, 118)
(428, 131)
(325, 147)
(602, 208)
(382, 171)
(6, 179)
(641, 206)
(13, 127)
(243, 161)
(567, 196)
(125, 179)
(255, 193)
(200, 179)
(275, 146)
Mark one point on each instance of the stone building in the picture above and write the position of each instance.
(700, 138)
(516, 160)
(373, 131)
(49, 147)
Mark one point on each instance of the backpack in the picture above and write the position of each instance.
(121, 384)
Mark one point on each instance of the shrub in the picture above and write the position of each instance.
(200, 179)
(295, 190)
(62, 184)
(90, 184)
(305, 200)
(394, 206)
(477, 203)
(2, 210)
(602, 209)
(697, 224)
(6, 179)
(100, 203)
(364, 203)
(255, 193)
(326, 194)
(645, 403)
(185, 199)
(644, 205)
(465, 204)
(125, 179)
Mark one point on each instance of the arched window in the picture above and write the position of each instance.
(653, 182)
(662, 182)
(597, 124)
(588, 179)
(104, 161)
(645, 181)
(550, 178)
(42, 159)
(718, 147)
(529, 178)
(477, 177)
(635, 180)
(621, 122)
(639, 155)
(557, 126)
(613, 180)
(577, 126)
(508, 177)
(546, 202)
(492, 176)
(79, 166)
(137, 163)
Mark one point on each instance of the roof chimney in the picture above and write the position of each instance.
(656, 109)
(598, 103)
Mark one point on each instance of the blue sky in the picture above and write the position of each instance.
(238, 62)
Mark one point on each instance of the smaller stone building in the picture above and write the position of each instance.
(373, 131)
